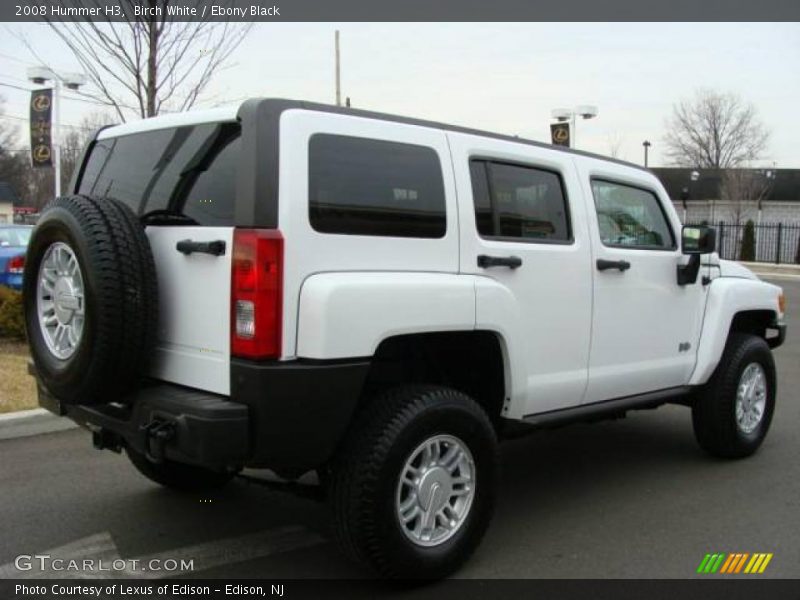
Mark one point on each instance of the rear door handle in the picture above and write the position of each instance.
(215, 247)
(512, 262)
(604, 265)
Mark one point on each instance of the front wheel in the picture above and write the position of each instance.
(413, 489)
(733, 411)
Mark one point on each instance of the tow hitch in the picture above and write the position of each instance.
(156, 436)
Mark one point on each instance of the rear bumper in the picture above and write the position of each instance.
(172, 422)
(288, 416)
(299, 410)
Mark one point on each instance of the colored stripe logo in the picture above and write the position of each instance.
(734, 563)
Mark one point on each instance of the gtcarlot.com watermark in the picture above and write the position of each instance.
(45, 562)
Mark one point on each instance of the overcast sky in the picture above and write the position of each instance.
(499, 77)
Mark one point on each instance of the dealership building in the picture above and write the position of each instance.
(698, 197)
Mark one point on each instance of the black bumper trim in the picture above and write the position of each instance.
(288, 416)
(777, 340)
(299, 410)
(208, 430)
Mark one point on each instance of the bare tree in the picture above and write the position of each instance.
(74, 141)
(146, 64)
(615, 142)
(8, 133)
(744, 190)
(715, 130)
(14, 164)
(35, 186)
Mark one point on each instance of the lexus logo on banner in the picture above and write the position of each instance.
(41, 125)
(559, 133)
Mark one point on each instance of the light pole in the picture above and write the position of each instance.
(686, 193)
(585, 111)
(646, 145)
(769, 175)
(39, 76)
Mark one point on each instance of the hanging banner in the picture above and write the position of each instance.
(559, 133)
(41, 128)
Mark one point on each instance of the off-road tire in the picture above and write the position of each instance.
(364, 478)
(121, 299)
(179, 476)
(714, 408)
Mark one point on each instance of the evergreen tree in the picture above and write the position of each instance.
(748, 252)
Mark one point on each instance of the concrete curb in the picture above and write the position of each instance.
(781, 266)
(773, 269)
(776, 275)
(26, 423)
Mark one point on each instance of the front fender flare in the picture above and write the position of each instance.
(728, 296)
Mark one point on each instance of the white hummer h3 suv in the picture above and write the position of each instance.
(298, 287)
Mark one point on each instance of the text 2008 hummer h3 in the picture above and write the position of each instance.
(299, 287)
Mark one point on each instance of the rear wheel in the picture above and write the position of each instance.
(179, 476)
(413, 490)
(733, 412)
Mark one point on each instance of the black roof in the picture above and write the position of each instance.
(7, 194)
(785, 183)
(280, 104)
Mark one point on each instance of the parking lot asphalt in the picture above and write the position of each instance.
(633, 498)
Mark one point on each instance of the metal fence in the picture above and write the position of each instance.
(773, 242)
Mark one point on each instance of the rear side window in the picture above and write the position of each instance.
(519, 202)
(360, 186)
(186, 171)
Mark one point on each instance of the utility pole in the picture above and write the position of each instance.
(338, 74)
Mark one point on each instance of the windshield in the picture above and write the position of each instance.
(14, 236)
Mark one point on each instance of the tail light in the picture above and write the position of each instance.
(16, 264)
(257, 293)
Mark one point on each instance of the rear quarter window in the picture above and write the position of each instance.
(189, 171)
(360, 186)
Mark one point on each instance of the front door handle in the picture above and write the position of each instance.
(512, 262)
(215, 247)
(604, 265)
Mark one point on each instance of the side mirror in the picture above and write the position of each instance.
(698, 239)
(695, 240)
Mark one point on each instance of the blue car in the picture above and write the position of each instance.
(13, 244)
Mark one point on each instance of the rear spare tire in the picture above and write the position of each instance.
(91, 299)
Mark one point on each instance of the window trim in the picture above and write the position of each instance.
(441, 172)
(486, 160)
(641, 188)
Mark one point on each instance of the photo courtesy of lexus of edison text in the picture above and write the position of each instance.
(341, 298)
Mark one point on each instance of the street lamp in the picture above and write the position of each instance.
(646, 145)
(585, 111)
(686, 193)
(72, 81)
(769, 176)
